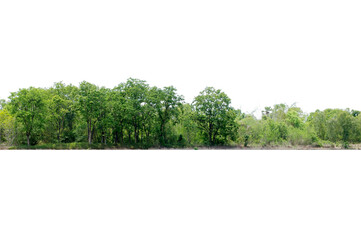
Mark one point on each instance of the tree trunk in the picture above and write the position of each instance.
(89, 133)
(59, 130)
(121, 136)
(147, 133)
(90, 137)
(135, 134)
(103, 137)
(162, 133)
(28, 139)
(142, 135)
(210, 134)
(165, 135)
(59, 136)
(116, 138)
(92, 134)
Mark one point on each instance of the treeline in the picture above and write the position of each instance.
(136, 115)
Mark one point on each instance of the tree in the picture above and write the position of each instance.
(317, 121)
(274, 131)
(187, 127)
(28, 107)
(214, 115)
(345, 119)
(295, 117)
(250, 130)
(355, 113)
(7, 127)
(167, 104)
(117, 108)
(135, 98)
(2, 104)
(89, 106)
(104, 118)
(59, 105)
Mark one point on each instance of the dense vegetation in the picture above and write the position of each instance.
(136, 115)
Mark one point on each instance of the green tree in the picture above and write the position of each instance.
(118, 113)
(214, 115)
(317, 120)
(28, 107)
(89, 106)
(295, 117)
(59, 105)
(7, 126)
(187, 127)
(104, 114)
(135, 97)
(167, 104)
(346, 122)
(250, 130)
(2, 104)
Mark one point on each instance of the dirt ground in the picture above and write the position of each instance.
(351, 147)
(3, 147)
(301, 147)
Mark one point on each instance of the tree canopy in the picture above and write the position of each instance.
(134, 114)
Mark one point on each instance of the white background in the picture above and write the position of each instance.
(259, 52)
(180, 195)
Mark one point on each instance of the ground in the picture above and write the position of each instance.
(56, 146)
(3, 147)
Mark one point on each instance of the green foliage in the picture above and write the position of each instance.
(295, 118)
(214, 116)
(274, 132)
(305, 136)
(250, 130)
(61, 111)
(2, 104)
(167, 104)
(134, 115)
(28, 107)
(7, 127)
(137, 109)
(187, 126)
(89, 106)
(336, 125)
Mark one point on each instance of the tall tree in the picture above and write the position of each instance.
(135, 97)
(167, 104)
(59, 105)
(28, 107)
(104, 118)
(118, 111)
(89, 106)
(214, 114)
